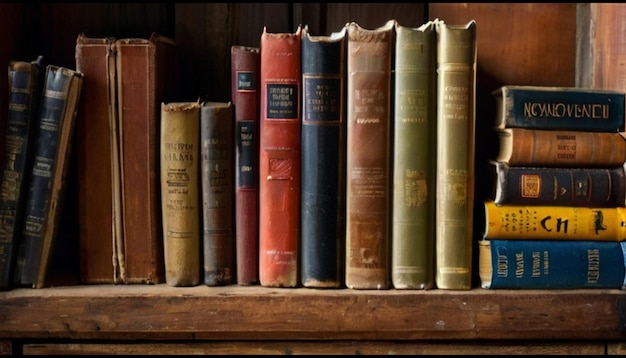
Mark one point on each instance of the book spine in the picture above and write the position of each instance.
(323, 159)
(530, 147)
(179, 177)
(53, 136)
(456, 87)
(245, 68)
(548, 264)
(368, 159)
(146, 78)
(280, 162)
(554, 222)
(25, 85)
(216, 174)
(600, 187)
(95, 207)
(560, 109)
(413, 229)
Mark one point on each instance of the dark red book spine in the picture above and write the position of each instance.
(279, 165)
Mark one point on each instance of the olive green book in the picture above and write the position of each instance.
(413, 228)
(456, 89)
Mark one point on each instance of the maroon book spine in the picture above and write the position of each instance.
(245, 68)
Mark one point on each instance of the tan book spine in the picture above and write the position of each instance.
(180, 160)
(368, 156)
(456, 89)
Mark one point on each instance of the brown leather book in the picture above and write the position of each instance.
(180, 191)
(245, 68)
(368, 156)
(559, 148)
(279, 165)
(216, 182)
(146, 77)
(95, 58)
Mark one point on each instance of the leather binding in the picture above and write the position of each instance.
(279, 159)
(323, 159)
(245, 66)
(368, 156)
(217, 173)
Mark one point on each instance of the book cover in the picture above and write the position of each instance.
(25, 87)
(95, 58)
(553, 222)
(456, 91)
(413, 208)
(179, 145)
(146, 77)
(323, 159)
(559, 108)
(280, 162)
(53, 138)
(368, 156)
(217, 162)
(550, 264)
(560, 148)
(579, 186)
(245, 65)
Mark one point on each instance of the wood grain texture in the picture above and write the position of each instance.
(255, 312)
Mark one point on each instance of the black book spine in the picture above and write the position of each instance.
(323, 161)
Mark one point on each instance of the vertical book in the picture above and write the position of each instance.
(456, 87)
(245, 67)
(95, 58)
(279, 158)
(53, 138)
(323, 159)
(217, 190)
(146, 77)
(368, 159)
(413, 209)
(25, 86)
(180, 192)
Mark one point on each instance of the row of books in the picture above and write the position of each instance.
(42, 111)
(318, 129)
(556, 217)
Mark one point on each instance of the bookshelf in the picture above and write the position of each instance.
(539, 42)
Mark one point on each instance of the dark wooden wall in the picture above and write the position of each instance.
(517, 43)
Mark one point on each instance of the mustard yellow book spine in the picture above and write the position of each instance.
(554, 222)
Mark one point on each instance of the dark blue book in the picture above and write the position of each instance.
(53, 136)
(551, 264)
(560, 108)
(323, 160)
(25, 83)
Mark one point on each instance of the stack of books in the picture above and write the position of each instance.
(557, 217)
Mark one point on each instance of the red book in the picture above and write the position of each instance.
(245, 67)
(279, 158)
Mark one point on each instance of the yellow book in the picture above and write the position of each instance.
(554, 222)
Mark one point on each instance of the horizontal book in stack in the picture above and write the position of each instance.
(556, 218)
